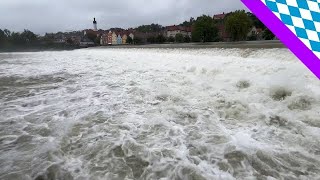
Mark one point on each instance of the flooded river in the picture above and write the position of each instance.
(182, 114)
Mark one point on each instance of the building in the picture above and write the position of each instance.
(104, 40)
(131, 35)
(255, 32)
(222, 33)
(124, 38)
(85, 42)
(189, 31)
(252, 32)
(119, 39)
(95, 27)
(76, 40)
(220, 23)
(114, 38)
(109, 40)
(59, 41)
(172, 31)
(259, 34)
(219, 16)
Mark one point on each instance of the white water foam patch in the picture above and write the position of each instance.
(158, 114)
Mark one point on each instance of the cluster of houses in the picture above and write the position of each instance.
(121, 37)
(118, 36)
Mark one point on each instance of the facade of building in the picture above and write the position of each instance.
(76, 40)
(219, 16)
(119, 39)
(131, 35)
(109, 40)
(124, 38)
(172, 31)
(222, 33)
(220, 22)
(252, 32)
(114, 38)
(256, 32)
(104, 39)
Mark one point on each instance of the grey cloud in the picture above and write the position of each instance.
(64, 15)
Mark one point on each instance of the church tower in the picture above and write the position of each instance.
(95, 28)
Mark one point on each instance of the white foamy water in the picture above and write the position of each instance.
(158, 114)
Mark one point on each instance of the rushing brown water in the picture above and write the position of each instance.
(158, 114)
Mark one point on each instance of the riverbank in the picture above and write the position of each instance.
(225, 45)
(37, 48)
(242, 44)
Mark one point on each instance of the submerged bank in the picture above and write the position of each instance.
(242, 45)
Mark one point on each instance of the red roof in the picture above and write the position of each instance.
(177, 28)
(219, 16)
(188, 29)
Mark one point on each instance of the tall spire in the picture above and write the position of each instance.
(95, 28)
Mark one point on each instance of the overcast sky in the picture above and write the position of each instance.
(42, 16)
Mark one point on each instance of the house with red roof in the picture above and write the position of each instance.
(220, 23)
(219, 16)
(104, 40)
(109, 38)
(172, 31)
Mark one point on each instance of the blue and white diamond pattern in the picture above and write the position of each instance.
(302, 17)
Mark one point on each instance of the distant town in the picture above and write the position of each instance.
(224, 27)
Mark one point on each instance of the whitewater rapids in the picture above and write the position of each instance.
(169, 114)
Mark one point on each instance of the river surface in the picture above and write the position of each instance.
(182, 114)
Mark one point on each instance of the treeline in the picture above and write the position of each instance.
(239, 23)
(236, 25)
(150, 28)
(205, 29)
(8, 38)
(13, 41)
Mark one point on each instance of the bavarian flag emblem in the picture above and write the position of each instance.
(296, 23)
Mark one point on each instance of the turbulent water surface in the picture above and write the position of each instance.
(158, 114)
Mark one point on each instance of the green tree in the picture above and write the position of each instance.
(161, 39)
(91, 35)
(3, 37)
(129, 40)
(15, 38)
(150, 28)
(137, 40)
(69, 41)
(188, 23)
(97, 40)
(252, 38)
(151, 39)
(179, 38)
(238, 25)
(255, 21)
(48, 39)
(204, 29)
(28, 36)
(268, 35)
(187, 39)
(171, 39)
(7, 33)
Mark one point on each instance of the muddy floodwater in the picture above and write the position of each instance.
(167, 114)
